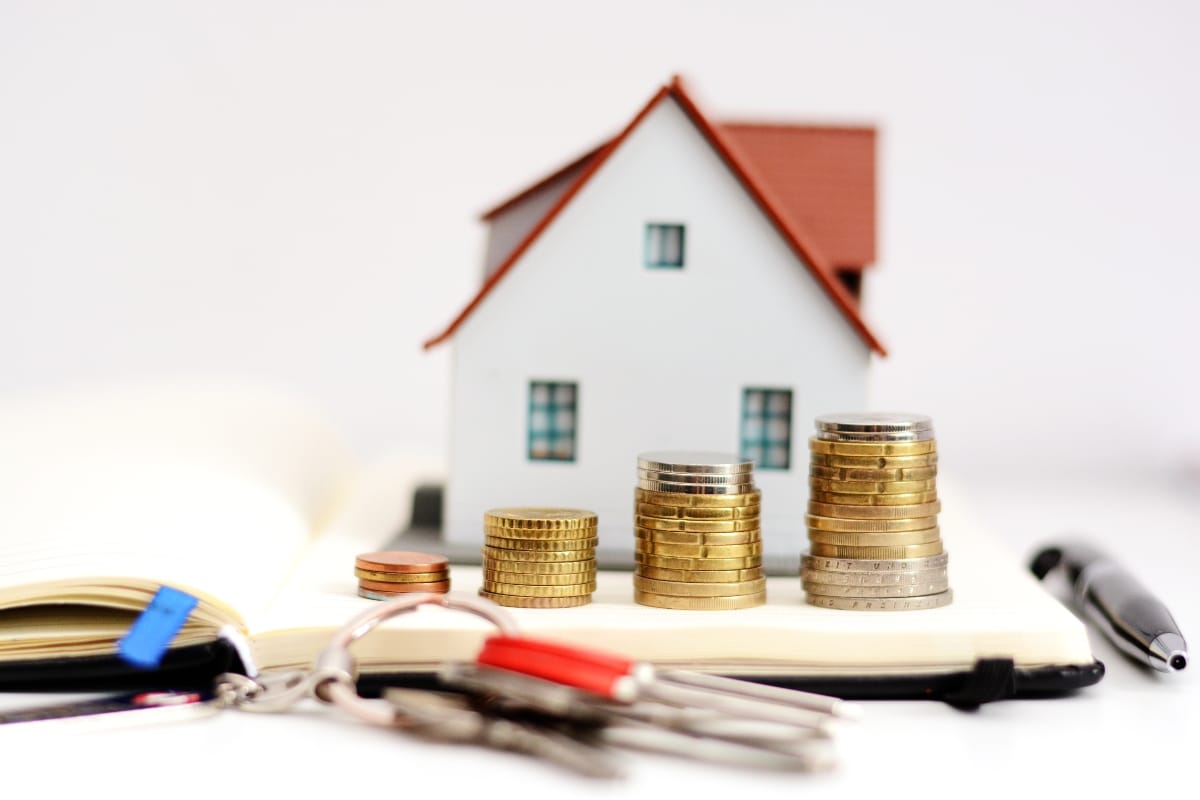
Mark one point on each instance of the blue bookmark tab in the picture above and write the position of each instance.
(146, 643)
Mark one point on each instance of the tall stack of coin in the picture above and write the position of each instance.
(699, 537)
(872, 515)
(387, 573)
(539, 557)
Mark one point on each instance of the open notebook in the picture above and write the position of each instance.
(251, 502)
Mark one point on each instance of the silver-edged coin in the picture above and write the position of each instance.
(692, 477)
(671, 487)
(875, 436)
(695, 462)
(874, 422)
(831, 564)
(878, 578)
(883, 590)
(920, 603)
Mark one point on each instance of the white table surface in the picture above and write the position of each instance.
(1135, 731)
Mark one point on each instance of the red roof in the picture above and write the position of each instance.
(794, 198)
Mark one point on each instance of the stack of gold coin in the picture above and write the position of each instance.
(873, 531)
(539, 557)
(387, 573)
(699, 537)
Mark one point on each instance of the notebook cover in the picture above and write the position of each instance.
(195, 667)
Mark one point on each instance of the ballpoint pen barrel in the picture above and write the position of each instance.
(1134, 620)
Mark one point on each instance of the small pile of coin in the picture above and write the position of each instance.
(539, 557)
(698, 529)
(387, 573)
(872, 515)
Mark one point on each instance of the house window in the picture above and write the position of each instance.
(767, 427)
(552, 420)
(664, 246)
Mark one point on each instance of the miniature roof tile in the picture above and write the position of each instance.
(792, 198)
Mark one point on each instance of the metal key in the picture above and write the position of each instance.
(450, 718)
(693, 733)
(624, 680)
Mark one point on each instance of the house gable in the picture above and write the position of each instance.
(811, 260)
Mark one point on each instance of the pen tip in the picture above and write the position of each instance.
(1178, 661)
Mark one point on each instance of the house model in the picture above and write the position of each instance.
(686, 285)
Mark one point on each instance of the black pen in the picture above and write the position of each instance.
(1129, 615)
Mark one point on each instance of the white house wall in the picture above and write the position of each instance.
(661, 356)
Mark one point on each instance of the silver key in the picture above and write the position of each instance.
(693, 732)
(450, 718)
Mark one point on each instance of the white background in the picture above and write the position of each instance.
(288, 192)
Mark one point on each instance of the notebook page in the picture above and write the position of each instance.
(999, 610)
(214, 489)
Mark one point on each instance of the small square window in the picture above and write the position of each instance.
(767, 427)
(664, 246)
(552, 420)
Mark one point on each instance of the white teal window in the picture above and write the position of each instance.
(552, 420)
(664, 246)
(767, 427)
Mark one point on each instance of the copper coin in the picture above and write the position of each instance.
(401, 561)
(370, 595)
(404, 588)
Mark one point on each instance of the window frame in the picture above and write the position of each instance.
(552, 434)
(765, 441)
(658, 230)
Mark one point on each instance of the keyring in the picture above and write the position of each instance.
(333, 678)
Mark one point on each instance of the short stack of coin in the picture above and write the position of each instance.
(539, 557)
(873, 531)
(698, 529)
(387, 573)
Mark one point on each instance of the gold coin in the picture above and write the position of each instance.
(870, 474)
(872, 487)
(906, 499)
(881, 603)
(539, 544)
(875, 539)
(682, 500)
(533, 590)
(684, 512)
(651, 547)
(861, 449)
(502, 554)
(540, 534)
(543, 567)
(528, 579)
(692, 537)
(699, 575)
(874, 512)
(700, 564)
(818, 523)
(540, 518)
(873, 462)
(401, 577)
(697, 525)
(521, 601)
(687, 589)
(699, 603)
(897, 551)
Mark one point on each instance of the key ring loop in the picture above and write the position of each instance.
(333, 679)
